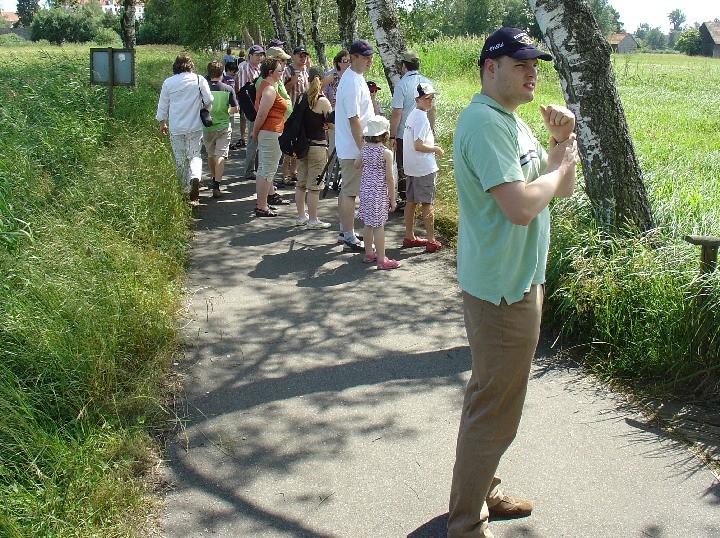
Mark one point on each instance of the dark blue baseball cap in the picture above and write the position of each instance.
(361, 47)
(511, 42)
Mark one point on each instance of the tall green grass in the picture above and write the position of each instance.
(93, 232)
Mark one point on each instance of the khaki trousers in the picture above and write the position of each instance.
(502, 342)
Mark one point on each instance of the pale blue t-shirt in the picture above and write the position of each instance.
(495, 258)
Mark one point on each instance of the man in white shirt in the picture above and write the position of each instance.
(353, 109)
(181, 97)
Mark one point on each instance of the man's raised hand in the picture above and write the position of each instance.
(559, 121)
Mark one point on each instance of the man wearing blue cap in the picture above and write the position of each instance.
(353, 109)
(505, 180)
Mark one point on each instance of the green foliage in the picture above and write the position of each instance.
(26, 10)
(607, 17)
(677, 18)
(690, 42)
(12, 40)
(106, 37)
(160, 23)
(204, 24)
(93, 232)
(655, 39)
(431, 19)
(67, 25)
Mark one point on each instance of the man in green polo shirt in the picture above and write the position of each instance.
(505, 180)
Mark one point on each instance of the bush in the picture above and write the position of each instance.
(12, 40)
(690, 42)
(107, 37)
(65, 25)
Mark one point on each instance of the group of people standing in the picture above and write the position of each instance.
(504, 178)
(281, 81)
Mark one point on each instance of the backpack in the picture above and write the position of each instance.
(246, 99)
(293, 140)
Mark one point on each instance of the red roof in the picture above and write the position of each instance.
(9, 16)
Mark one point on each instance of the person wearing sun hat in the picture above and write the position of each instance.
(505, 180)
(377, 190)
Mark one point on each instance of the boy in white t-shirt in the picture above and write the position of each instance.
(419, 151)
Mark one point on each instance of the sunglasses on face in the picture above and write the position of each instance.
(344, 61)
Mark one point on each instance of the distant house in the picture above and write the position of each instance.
(710, 34)
(622, 43)
(114, 6)
(8, 18)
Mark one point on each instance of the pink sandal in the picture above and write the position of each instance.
(370, 258)
(387, 263)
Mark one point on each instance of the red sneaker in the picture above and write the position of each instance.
(414, 242)
(432, 246)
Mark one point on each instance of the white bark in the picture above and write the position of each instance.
(613, 180)
(388, 37)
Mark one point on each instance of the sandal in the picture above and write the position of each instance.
(387, 263)
(265, 212)
(370, 258)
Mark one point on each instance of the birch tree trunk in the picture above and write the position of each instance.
(319, 44)
(290, 24)
(613, 179)
(389, 38)
(295, 24)
(127, 24)
(347, 22)
(276, 15)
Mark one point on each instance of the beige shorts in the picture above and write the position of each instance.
(310, 167)
(350, 178)
(217, 143)
(268, 154)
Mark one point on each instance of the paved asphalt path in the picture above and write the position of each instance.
(322, 399)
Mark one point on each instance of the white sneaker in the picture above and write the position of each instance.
(302, 221)
(317, 225)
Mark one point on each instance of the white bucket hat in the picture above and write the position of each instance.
(376, 126)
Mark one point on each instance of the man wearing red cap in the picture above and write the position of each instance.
(505, 181)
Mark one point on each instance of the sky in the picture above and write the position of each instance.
(632, 12)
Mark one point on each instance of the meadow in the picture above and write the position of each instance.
(93, 238)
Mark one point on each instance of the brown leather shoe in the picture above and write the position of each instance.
(511, 507)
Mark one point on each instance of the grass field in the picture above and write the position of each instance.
(93, 233)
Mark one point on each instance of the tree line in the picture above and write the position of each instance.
(205, 24)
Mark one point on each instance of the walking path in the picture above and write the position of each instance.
(322, 399)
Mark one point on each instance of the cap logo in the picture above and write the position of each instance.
(495, 47)
(524, 39)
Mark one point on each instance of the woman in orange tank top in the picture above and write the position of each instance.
(267, 128)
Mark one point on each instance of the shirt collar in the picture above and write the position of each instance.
(492, 103)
